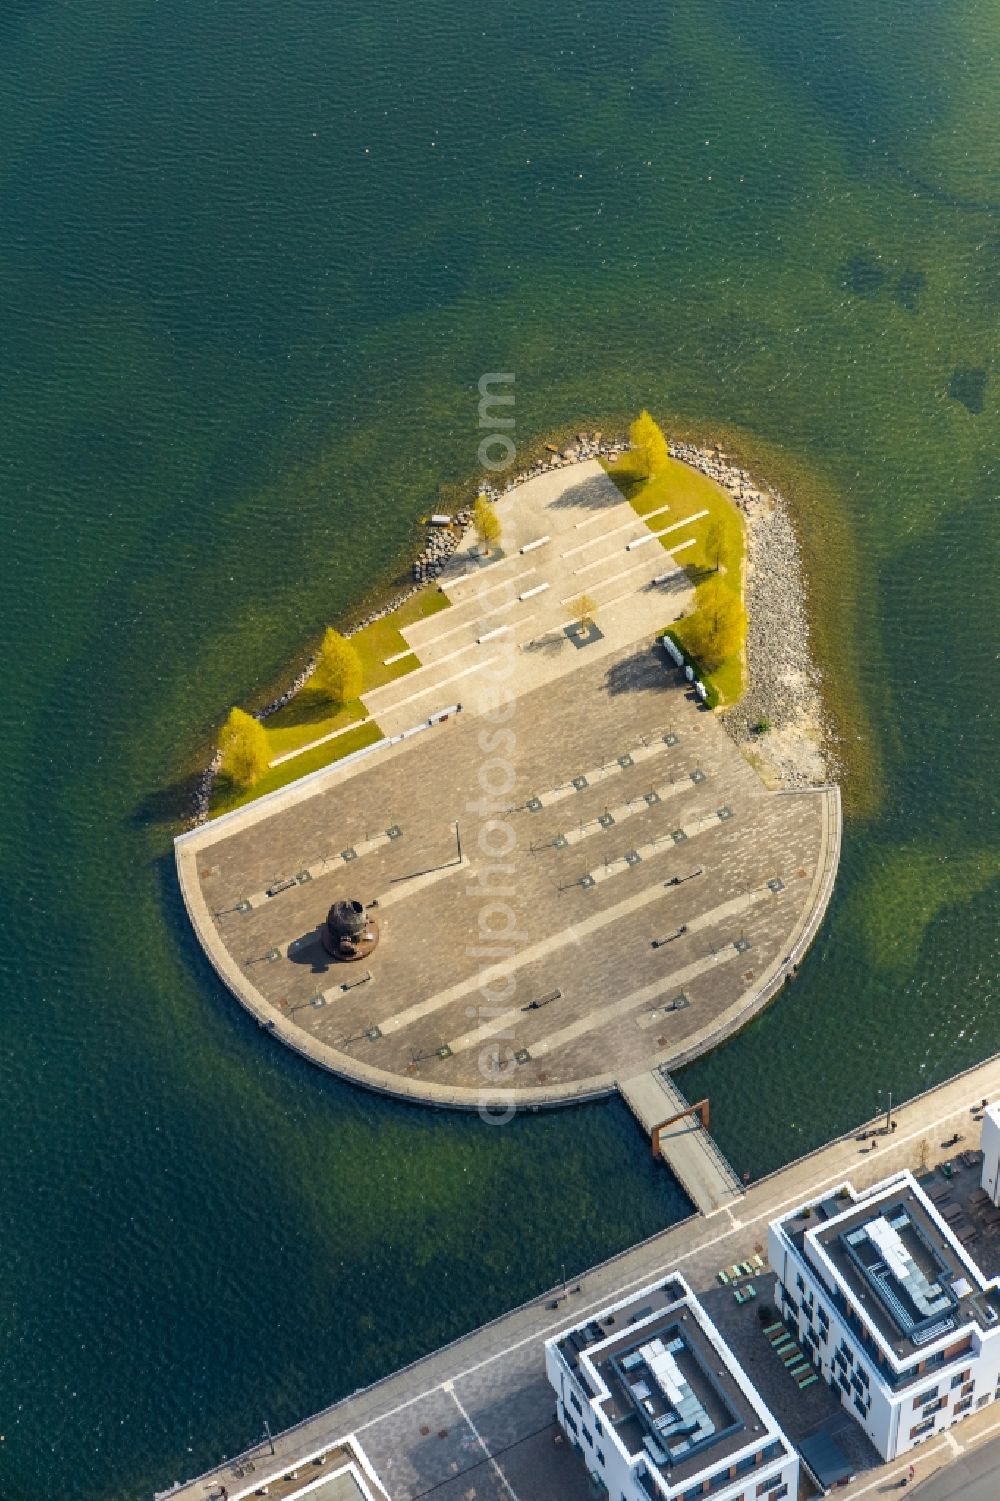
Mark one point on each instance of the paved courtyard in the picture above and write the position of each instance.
(576, 876)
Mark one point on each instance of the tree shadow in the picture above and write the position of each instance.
(590, 495)
(674, 583)
(628, 483)
(465, 559)
(549, 645)
(307, 707)
(312, 706)
(166, 805)
(644, 672)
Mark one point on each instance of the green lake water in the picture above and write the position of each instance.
(253, 262)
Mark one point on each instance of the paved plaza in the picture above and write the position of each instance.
(576, 876)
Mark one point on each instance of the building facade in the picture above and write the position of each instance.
(990, 1143)
(898, 1317)
(657, 1406)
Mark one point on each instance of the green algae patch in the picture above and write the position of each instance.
(898, 902)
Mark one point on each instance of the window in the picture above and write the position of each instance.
(571, 1422)
(859, 1407)
(575, 1402)
(588, 1435)
(597, 1425)
(600, 1456)
(922, 1428)
(963, 1406)
(922, 1397)
(983, 1401)
(959, 1379)
(968, 1388)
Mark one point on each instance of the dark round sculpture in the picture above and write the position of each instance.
(349, 933)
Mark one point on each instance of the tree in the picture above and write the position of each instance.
(715, 542)
(339, 673)
(716, 629)
(584, 609)
(648, 444)
(486, 522)
(243, 746)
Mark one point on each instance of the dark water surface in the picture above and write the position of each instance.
(253, 260)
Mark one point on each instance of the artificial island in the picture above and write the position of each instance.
(554, 875)
(538, 866)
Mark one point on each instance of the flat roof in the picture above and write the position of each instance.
(826, 1459)
(900, 1266)
(343, 1487)
(674, 1399)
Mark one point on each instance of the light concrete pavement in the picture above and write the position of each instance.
(974, 1476)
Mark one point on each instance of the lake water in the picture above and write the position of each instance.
(253, 262)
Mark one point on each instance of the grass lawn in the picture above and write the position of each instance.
(226, 797)
(310, 715)
(687, 492)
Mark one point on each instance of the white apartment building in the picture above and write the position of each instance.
(336, 1472)
(897, 1315)
(990, 1143)
(659, 1409)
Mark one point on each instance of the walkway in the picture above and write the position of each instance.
(475, 1418)
(688, 1149)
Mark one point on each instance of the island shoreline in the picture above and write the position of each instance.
(781, 722)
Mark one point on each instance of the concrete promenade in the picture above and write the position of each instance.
(474, 1421)
(599, 887)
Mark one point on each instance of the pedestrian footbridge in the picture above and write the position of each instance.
(678, 1132)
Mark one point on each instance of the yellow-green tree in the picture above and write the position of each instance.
(486, 522)
(648, 445)
(584, 608)
(243, 746)
(339, 673)
(715, 542)
(717, 628)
